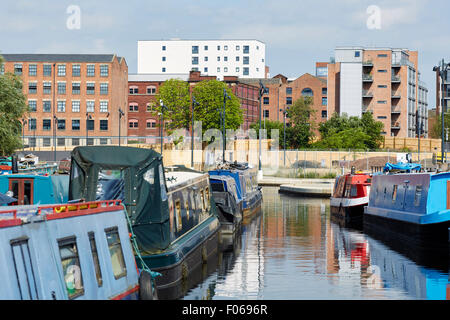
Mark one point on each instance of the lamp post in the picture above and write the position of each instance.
(121, 114)
(88, 117)
(163, 107)
(194, 103)
(24, 122)
(442, 73)
(262, 89)
(225, 97)
(54, 113)
(55, 123)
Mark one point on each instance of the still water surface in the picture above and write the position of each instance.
(293, 251)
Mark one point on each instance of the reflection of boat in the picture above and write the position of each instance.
(81, 252)
(176, 227)
(229, 207)
(350, 195)
(247, 187)
(414, 205)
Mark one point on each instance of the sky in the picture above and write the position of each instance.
(297, 33)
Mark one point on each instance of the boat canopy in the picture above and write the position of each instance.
(133, 175)
(403, 167)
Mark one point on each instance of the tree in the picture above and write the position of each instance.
(209, 94)
(175, 95)
(300, 132)
(269, 126)
(436, 130)
(343, 132)
(13, 107)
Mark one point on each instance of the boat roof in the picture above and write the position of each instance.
(176, 178)
(223, 178)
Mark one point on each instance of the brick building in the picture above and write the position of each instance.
(73, 97)
(383, 81)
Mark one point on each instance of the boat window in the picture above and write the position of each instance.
(162, 183)
(207, 195)
(217, 187)
(385, 192)
(23, 266)
(115, 250)
(202, 197)
(418, 195)
(394, 193)
(347, 191)
(110, 185)
(71, 267)
(98, 272)
(178, 214)
(353, 192)
(186, 204)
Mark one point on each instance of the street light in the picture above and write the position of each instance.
(225, 97)
(24, 122)
(442, 72)
(55, 123)
(88, 117)
(121, 114)
(262, 89)
(194, 103)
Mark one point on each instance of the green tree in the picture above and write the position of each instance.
(209, 94)
(175, 95)
(436, 130)
(300, 132)
(13, 108)
(269, 126)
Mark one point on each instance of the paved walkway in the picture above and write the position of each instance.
(304, 187)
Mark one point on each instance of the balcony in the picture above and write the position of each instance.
(368, 63)
(396, 95)
(395, 126)
(367, 94)
(395, 110)
(367, 78)
(365, 108)
(395, 79)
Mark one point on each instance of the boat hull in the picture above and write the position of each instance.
(348, 211)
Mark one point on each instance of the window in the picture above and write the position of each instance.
(103, 106)
(194, 49)
(151, 124)
(61, 142)
(76, 70)
(324, 101)
(205, 69)
(103, 125)
(104, 88)
(246, 49)
(90, 106)
(266, 100)
(98, 272)
(104, 70)
(307, 92)
(382, 55)
(237, 48)
(151, 90)
(206, 59)
(382, 70)
(246, 71)
(218, 69)
(61, 106)
(353, 191)
(225, 58)
(206, 48)
(382, 117)
(61, 124)
(90, 70)
(218, 48)
(289, 91)
(382, 102)
(194, 60)
(47, 70)
(32, 104)
(324, 114)
(76, 87)
(237, 59)
(382, 86)
(90, 141)
(266, 113)
(225, 48)
(394, 193)
(266, 90)
(90, 125)
(115, 251)
(32, 87)
(178, 215)
(134, 90)
(90, 88)
(103, 141)
(32, 124)
(246, 60)
(61, 70)
(46, 142)
(163, 48)
(70, 262)
(357, 54)
(324, 91)
(218, 58)
(150, 106)
(163, 70)
(32, 70)
(163, 58)
(186, 206)
(75, 141)
(289, 100)
(237, 69)
(133, 123)
(47, 106)
(18, 69)
(75, 105)
(47, 88)
(61, 88)
(225, 69)
(133, 107)
(417, 195)
(75, 125)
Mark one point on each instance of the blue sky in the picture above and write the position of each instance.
(297, 33)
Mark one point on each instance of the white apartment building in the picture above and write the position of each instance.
(242, 58)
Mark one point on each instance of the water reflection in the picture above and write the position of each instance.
(293, 251)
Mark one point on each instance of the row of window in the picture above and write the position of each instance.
(61, 142)
(202, 200)
(246, 70)
(134, 107)
(61, 124)
(305, 92)
(266, 101)
(61, 106)
(61, 70)
(149, 90)
(62, 88)
(195, 49)
(266, 114)
(245, 59)
(134, 123)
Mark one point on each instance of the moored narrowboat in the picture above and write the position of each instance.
(81, 252)
(416, 205)
(248, 191)
(350, 195)
(171, 214)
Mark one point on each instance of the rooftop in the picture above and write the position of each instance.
(60, 57)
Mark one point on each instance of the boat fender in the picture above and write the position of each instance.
(59, 209)
(145, 286)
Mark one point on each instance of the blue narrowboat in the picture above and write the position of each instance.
(416, 204)
(31, 189)
(229, 207)
(248, 191)
(171, 214)
(74, 252)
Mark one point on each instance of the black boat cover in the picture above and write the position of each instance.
(133, 175)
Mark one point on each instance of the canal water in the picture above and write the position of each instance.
(293, 251)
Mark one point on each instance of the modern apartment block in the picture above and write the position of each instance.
(73, 97)
(383, 81)
(220, 58)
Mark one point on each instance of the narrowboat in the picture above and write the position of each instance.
(229, 207)
(416, 205)
(31, 189)
(76, 252)
(248, 191)
(171, 213)
(350, 195)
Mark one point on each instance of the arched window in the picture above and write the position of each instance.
(307, 92)
(133, 107)
(151, 90)
(133, 123)
(151, 123)
(134, 90)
